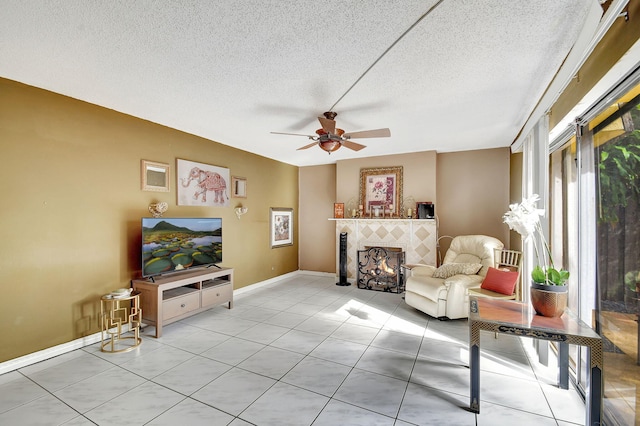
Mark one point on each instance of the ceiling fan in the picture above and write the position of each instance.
(330, 138)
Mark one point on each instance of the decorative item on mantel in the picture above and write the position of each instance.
(548, 286)
(425, 210)
(408, 206)
(388, 208)
(156, 209)
(351, 205)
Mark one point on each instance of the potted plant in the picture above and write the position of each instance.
(548, 286)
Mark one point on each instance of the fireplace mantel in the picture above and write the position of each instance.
(416, 237)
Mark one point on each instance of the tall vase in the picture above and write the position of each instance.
(549, 300)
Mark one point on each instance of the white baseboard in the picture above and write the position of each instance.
(318, 274)
(264, 283)
(35, 357)
(257, 285)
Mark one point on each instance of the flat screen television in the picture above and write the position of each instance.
(177, 244)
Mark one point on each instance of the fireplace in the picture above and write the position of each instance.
(379, 268)
(416, 237)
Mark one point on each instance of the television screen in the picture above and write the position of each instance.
(175, 244)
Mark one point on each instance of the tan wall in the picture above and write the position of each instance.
(419, 175)
(321, 186)
(473, 194)
(70, 216)
(317, 233)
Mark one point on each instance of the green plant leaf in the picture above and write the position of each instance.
(625, 152)
(564, 276)
(553, 276)
(556, 277)
(619, 182)
(537, 275)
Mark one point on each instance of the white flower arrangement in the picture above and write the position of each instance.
(524, 218)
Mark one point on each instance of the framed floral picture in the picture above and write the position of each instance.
(381, 189)
(281, 227)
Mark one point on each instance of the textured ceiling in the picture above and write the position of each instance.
(465, 76)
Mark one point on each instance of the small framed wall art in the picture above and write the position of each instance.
(338, 210)
(281, 226)
(154, 176)
(239, 187)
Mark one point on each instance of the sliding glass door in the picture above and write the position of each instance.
(595, 204)
(616, 145)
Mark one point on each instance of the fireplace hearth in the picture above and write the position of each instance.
(379, 268)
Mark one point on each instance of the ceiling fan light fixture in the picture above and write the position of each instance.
(329, 145)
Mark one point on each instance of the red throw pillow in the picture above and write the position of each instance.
(500, 281)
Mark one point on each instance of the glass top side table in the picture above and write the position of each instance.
(519, 319)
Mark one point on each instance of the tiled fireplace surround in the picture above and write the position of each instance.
(416, 237)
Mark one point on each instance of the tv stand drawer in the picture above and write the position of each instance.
(217, 295)
(180, 305)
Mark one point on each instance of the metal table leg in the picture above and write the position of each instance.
(474, 366)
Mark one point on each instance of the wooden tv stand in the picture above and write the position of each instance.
(170, 298)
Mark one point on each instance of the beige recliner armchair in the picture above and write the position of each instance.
(443, 292)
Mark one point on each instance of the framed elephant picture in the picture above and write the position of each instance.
(202, 184)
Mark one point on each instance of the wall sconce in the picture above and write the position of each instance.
(241, 210)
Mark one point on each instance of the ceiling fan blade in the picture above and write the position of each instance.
(307, 146)
(291, 134)
(377, 133)
(328, 126)
(352, 145)
(286, 112)
(301, 124)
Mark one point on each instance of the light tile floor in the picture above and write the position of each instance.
(300, 351)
